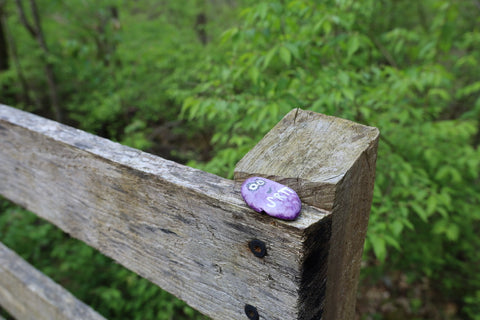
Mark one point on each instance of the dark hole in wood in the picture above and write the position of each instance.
(258, 248)
(251, 312)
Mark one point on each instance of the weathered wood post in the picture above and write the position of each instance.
(330, 163)
(190, 232)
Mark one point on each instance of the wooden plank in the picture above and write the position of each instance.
(183, 229)
(330, 162)
(26, 293)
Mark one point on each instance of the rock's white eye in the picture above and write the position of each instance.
(252, 186)
(260, 182)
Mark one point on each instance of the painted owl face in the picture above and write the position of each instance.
(253, 186)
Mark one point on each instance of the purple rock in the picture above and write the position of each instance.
(273, 198)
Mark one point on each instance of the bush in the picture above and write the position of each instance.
(415, 78)
(408, 68)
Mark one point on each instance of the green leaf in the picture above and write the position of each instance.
(441, 93)
(254, 74)
(404, 178)
(442, 173)
(262, 10)
(379, 246)
(348, 93)
(452, 232)
(353, 45)
(448, 228)
(420, 211)
(468, 90)
(431, 204)
(285, 55)
(228, 35)
(268, 57)
(293, 49)
(396, 227)
(392, 241)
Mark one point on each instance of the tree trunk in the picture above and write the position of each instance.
(104, 40)
(200, 27)
(36, 32)
(4, 57)
(25, 95)
(6, 92)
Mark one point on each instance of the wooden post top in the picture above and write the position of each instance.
(310, 152)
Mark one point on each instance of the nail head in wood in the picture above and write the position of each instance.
(258, 248)
(251, 312)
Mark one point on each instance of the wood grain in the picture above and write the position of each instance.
(310, 152)
(330, 163)
(26, 293)
(183, 229)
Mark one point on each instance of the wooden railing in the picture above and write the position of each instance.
(189, 231)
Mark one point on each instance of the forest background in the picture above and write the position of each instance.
(201, 81)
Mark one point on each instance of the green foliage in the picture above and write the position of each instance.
(416, 79)
(408, 68)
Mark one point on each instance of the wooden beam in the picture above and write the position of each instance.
(188, 231)
(183, 229)
(330, 163)
(26, 293)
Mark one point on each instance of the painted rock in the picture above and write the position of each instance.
(273, 198)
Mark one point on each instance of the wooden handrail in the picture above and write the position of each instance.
(189, 231)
